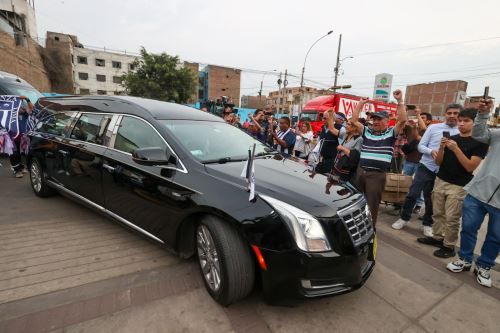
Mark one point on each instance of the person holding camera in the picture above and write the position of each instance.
(483, 198)
(331, 133)
(457, 158)
(257, 128)
(303, 140)
(427, 169)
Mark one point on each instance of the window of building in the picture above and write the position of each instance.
(116, 64)
(72, 59)
(134, 133)
(83, 76)
(117, 79)
(101, 92)
(131, 67)
(101, 78)
(91, 128)
(100, 62)
(56, 38)
(81, 60)
(84, 91)
(118, 93)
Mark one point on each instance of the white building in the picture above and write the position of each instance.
(18, 17)
(99, 72)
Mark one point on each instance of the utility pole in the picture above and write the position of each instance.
(337, 65)
(285, 83)
(260, 94)
(279, 94)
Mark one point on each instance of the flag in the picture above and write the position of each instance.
(9, 114)
(249, 173)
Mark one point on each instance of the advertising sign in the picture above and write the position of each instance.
(382, 87)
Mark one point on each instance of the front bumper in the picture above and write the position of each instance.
(296, 274)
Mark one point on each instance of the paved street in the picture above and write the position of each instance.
(64, 268)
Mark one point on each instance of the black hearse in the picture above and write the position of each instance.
(173, 173)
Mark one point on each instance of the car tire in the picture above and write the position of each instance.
(223, 252)
(38, 180)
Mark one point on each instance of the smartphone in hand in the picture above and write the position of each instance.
(486, 93)
(446, 134)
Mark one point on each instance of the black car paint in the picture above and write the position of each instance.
(166, 202)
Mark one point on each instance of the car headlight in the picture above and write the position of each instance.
(306, 229)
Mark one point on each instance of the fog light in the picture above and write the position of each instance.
(306, 284)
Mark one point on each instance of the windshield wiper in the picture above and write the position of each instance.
(223, 160)
(267, 153)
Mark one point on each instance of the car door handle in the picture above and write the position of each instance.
(108, 167)
(64, 152)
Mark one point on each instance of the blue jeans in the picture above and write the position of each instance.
(473, 215)
(422, 182)
(409, 169)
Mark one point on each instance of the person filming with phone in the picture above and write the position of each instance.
(425, 175)
(483, 198)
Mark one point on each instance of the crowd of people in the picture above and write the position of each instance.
(441, 157)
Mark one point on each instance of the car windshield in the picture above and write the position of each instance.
(210, 141)
(27, 91)
(309, 116)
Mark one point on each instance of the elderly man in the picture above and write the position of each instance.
(483, 198)
(377, 151)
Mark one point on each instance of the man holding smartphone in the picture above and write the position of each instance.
(458, 157)
(426, 172)
(483, 198)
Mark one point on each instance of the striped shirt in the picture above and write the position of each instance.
(377, 149)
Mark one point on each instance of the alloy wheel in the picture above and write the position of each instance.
(36, 177)
(208, 258)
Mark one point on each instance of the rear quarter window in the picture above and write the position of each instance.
(56, 123)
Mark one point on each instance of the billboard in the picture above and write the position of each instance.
(382, 87)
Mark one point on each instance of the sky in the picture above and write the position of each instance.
(417, 41)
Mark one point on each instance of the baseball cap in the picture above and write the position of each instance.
(380, 114)
(341, 116)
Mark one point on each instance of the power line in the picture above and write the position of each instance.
(425, 46)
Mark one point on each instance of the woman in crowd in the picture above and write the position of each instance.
(303, 140)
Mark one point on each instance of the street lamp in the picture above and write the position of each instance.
(261, 83)
(304, 68)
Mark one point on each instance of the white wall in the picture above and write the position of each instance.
(92, 84)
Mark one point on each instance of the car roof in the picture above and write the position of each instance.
(132, 105)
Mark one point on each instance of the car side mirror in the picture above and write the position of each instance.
(152, 157)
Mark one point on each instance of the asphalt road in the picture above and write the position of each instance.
(65, 268)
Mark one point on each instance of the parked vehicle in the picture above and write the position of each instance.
(11, 84)
(313, 110)
(173, 174)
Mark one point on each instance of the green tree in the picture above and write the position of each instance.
(161, 77)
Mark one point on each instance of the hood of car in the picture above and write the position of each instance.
(289, 181)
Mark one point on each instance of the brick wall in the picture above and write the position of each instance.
(434, 97)
(25, 61)
(223, 81)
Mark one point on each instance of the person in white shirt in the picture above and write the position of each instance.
(303, 141)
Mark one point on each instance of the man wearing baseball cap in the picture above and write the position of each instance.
(377, 151)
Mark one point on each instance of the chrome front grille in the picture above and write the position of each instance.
(359, 225)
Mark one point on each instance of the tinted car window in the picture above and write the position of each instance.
(135, 133)
(55, 123)
(207, 140)
(91, 128)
